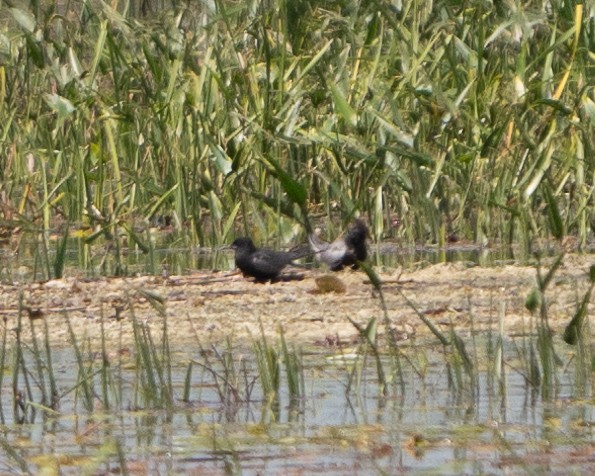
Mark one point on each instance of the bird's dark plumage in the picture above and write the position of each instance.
(262, 264)
(344, 251)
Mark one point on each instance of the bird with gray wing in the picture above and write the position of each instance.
(263, 264)
(346, 250)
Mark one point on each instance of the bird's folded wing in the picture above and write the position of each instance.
(266, 261)
(318, 245)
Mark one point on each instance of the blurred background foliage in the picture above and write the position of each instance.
(435, 121)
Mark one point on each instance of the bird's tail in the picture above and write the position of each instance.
(300, 251)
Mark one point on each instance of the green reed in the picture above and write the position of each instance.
(463, 123)
(368, 336)
(495, 353)
(230, 373)
(153, 384)
(20, 396)
(357, 376)
(120, 451)
(14, 455)
(269, 373)
(106, 375)
(50, 367)
(548, 359)
(39, 365)
(3, 352)
(84, 387)
(578, 333)
(294, 373)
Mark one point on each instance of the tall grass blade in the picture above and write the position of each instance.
(60, 259)
(267, 361)
(439, 335)
(85, 373)
(39, 366)
(9, 450)
(293, 371)
(3, 350)
(578, 324)
(368, 335)
(187, 384)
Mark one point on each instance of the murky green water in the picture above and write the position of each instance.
(429, 428)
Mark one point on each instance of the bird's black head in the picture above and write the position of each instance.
(358, 232)
(244, 244)
(356, 240)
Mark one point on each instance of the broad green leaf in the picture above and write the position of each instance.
(370, 332)
(555, 219)
(75, 63)
(589, 107)
(135, 238)
(343, 107)
(575, 326)
(60, 105)
(24, 18)
(374, 278)
(4, 45)
(34, 49)
(557, 105)
(419, 158)
(220, 159)
(295, 190)
(542, 166)
(311, 64)
(229, 222)
(403, 137)
(160, 202)
(551, 272)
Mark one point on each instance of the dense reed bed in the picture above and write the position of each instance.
(464, 121)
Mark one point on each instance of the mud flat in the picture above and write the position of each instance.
(212, 306)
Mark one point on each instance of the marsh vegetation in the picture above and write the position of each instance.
(462, 122)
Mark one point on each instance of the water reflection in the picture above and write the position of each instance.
(32, 258)
(430, 426)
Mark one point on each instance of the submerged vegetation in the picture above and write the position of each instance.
(465, 121)
(220, 403)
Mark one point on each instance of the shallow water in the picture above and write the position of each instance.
(429, 428)
(27, 257)
(29, 262)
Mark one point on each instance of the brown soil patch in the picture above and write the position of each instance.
(212, 306)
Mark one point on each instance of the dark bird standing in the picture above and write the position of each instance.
(344, 251)
(263, 264)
